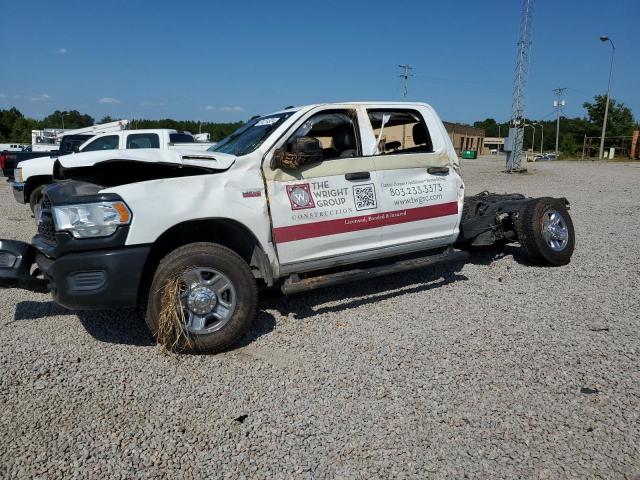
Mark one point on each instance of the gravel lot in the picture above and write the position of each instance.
(494, 369)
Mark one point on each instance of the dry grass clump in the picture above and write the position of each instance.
(172, 331)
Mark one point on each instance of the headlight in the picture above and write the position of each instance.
(88, 220)
(17, 174)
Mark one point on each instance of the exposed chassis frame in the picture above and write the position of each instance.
(488, 217)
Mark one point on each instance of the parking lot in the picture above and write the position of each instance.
(491, 369)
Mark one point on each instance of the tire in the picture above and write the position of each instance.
(545, 230)
(35, 197)
(214, 259)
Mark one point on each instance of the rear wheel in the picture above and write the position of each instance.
(35, 196)
(545, 230)
(209, 291)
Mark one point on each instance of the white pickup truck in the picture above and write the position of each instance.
(302, 198)
(33, 175)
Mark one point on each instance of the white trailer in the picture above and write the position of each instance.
(49, 138)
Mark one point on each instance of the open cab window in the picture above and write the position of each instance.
(327, 135)
(399, 131)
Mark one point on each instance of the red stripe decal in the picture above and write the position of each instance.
(352, 224)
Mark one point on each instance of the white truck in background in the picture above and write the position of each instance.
(12, 147)
(31, 176)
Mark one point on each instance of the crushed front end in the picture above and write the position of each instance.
(79, 250)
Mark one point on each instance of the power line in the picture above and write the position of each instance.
(558, 103)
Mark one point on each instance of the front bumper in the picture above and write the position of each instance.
(18, 191)
(98, 279)
(16, 260)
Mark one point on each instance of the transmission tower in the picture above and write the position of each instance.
(514, 158)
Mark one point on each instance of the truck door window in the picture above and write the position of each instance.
(336, 132)
(110, 142)
(399, 131)
(181, 138)
(143, 140)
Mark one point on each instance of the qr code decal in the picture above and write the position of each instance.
(365, 197)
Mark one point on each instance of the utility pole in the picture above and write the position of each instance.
(516, 130)
(405, 90)
(605, 38)
(405, 79)
(558, 103)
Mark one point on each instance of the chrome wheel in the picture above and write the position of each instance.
(554, 230)
(208, 299)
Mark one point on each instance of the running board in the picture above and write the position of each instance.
(294, 284)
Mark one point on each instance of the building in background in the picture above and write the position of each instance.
(493, 144)
(465, 137)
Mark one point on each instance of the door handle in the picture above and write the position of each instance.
(436, 170)
(358, 176)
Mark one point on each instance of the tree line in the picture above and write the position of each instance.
(15, 127)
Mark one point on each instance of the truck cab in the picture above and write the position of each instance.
(163, 139)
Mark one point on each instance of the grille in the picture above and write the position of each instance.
(46, 228)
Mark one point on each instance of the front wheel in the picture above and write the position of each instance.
(202, 298)
(35, 196)
(545, 230)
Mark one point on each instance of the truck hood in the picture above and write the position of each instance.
(208, 160)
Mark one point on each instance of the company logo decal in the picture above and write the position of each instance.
(323, 228)
(300, 196)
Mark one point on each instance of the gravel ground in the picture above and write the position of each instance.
(494, 369)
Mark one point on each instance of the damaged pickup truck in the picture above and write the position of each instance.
(299, 199)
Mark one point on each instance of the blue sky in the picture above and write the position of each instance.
(227, 61)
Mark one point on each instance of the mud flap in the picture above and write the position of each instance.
(16, 260)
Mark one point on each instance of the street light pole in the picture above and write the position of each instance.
(605, 38)
(542, 139)
(524, 126)
(62, 116)
(533, 138)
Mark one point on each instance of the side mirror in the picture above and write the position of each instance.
(76, 148)
(299, 151)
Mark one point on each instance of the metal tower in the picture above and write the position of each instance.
(514, 159)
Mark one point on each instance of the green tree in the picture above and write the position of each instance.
(568, 145)
(106, 119)
(493, 128)
(72, 119)
(620, 120)
(8, 119)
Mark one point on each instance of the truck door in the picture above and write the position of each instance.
(326, 210)
(417, 189)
